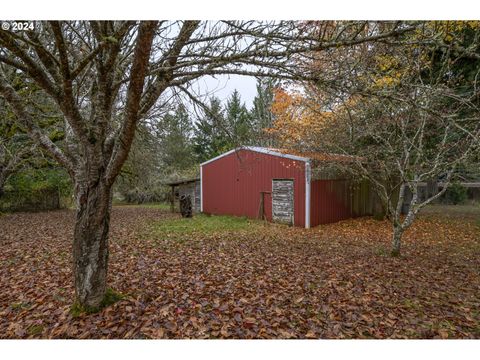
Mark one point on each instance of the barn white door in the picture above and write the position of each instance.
(282, 201)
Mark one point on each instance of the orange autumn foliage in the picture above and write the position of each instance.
(298, 120)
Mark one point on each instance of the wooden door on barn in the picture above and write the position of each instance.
(282, 201)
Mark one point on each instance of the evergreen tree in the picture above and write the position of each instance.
(176, 140)
(261, 114)
(210, 137)
(162, 149)
(238, 121)
(462, 77)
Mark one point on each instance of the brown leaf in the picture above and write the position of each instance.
(443, 333)
(333, 281)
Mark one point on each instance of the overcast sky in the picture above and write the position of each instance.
(223, 86)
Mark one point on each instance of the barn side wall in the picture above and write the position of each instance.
(335, 200)
(232, 184)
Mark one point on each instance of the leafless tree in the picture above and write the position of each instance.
(106, 76)
(401, 108)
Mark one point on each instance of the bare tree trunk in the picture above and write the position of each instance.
(90, 246)
(397, 225)
(396, 240)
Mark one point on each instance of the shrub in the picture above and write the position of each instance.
(36, 189)
(456, 194)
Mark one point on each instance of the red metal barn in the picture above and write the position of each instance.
(251, 181)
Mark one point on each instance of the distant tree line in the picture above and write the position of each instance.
(166, 147)
(172, 145)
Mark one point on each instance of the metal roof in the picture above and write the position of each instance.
(289, 154)
(260, 150)
(182, 181)
(327, 157)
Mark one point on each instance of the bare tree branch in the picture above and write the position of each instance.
(143, 46)
(23, 116)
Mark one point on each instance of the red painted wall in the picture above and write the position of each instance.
(330, 201)
(232, 184)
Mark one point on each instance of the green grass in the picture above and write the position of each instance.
(111, 297)
(20, 306)
(35, 330)
(382, 251)
(467, 211)
(413, 304)
(201, 223)
(160, 206)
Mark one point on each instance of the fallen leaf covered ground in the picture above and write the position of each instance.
(255, 281)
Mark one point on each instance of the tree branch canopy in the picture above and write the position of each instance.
(105, 77)
(16, 102)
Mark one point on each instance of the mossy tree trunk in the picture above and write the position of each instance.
(96, 144)
(90, 245)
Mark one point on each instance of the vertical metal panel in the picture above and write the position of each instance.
(201, 189)
(331, 201)
(308, 194)
(335, 200)
(232, 184)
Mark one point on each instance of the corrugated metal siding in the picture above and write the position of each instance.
(232, 184)
(331, 201)
(335, 200)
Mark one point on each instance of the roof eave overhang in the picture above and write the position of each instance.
(259, 150)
